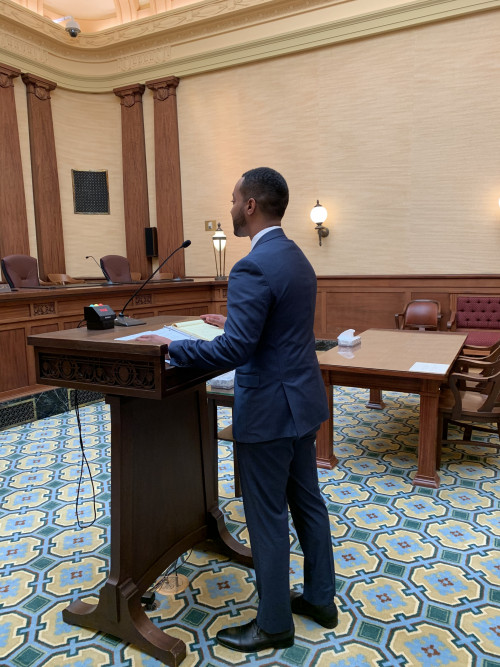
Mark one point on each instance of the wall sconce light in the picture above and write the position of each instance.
(318, 216)
(219, 241)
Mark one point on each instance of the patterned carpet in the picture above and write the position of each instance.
(418, 570)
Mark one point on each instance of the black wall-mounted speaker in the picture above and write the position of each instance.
(151, 236)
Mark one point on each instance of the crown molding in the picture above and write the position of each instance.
(206, 36)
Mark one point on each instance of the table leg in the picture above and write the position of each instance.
(237, 484)
(214, 436)
(228, 544)
(427, 440)
(375, 402)
(325, 456)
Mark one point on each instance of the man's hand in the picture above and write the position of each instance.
(214, 319)
(152, 338)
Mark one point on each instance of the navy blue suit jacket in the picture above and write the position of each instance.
(268, 337)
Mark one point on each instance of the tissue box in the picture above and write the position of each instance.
(346, 338)
(350, 342)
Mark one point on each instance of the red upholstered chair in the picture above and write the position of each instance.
(479, 316)
(116, 269)
(20, 271)
(420, 315)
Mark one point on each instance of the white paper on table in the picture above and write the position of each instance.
(164, 332)
(423, 367)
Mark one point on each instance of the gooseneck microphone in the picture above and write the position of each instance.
(100, 268)
(123, 321)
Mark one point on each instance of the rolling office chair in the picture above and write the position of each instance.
(116, 269)
(21, 271)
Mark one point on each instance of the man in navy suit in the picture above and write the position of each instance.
(279, 403)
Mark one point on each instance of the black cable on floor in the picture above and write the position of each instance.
(83, 463)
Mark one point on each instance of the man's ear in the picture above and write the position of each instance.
(251, 206)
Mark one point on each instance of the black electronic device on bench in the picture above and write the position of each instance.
(99, 316)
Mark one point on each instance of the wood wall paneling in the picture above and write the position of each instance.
(12, 311)
(363, 302)
(14, 237)
(71, 324)
(47, 202)
(359, 302)
(362, 310)
(167, 172)
(135, 182)
(15, 364)
(43, 328)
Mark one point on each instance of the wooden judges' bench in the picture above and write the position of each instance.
(34, 311)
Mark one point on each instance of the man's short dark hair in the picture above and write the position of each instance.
(268, 188)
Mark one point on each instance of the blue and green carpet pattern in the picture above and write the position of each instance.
(418, 570)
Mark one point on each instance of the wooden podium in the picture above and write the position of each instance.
(164, 487)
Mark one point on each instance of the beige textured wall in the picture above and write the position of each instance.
(87, 131)
(397, 135)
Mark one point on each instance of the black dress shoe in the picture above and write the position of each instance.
(326, 615)
(250, 638)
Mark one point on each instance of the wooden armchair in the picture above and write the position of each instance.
(63, 279)
(470, 400)
(480, 352)
(420, 315)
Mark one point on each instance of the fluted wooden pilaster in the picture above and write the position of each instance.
(135, 179)
(14, 237)
(168, 171)
(47, 200)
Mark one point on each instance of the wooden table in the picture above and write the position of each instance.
(164, 492)
(382, 362)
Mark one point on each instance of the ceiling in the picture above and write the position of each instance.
(96, 15)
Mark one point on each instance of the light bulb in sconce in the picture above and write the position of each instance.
(318, 216)
(219, 241)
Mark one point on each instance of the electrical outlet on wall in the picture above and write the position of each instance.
(210, 225)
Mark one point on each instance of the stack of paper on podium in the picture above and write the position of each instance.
(198, 329)
(182, 330)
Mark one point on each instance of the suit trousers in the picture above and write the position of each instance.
(275, 475)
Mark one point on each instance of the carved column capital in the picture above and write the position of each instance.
(163, 88)
(38, 87)
(7, 74)
(129, 95)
